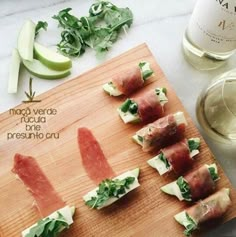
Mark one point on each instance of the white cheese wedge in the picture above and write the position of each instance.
(135, 139)
(162, 98)
(134, 173)
(111, 89)
(127, 117)
(180, 119)
(159, 165)
(182, 219)
(67, 212)
(173, 189)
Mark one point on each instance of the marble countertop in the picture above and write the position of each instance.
(161, 24)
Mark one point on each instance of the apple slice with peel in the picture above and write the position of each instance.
(14, 71)
(39, 70)
(25, 42)
(50, 58)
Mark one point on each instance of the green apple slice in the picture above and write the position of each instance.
(25, 41)
(14, 71)
(50, 58)
(39, 70)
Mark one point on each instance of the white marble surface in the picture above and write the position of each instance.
(159, 23)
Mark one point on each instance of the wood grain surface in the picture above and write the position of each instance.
(145, 211)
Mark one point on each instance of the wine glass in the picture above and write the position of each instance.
(216, 108)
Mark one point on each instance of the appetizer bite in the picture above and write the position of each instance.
(56, 215)
(128, 81)
(146, 108)
(51, 225)
(177, 157)
(195, 185)
(162, 132)
(210, 208)
(110, 190)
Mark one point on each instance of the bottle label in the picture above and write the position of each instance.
(213, 25)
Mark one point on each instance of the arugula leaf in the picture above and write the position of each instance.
(125, 106)
(213, 173)
(66, 20)
(140, 138)
(145, 70)
(49, 227)
(99, 30)
(189, 227)
(109, 188)
(40, 25)
(184, 188)
(163, 159)
(129, 105)
(71, 43)
(193, 145)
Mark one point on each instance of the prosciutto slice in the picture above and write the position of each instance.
(93, 158)
(210, 208)
(200, 182)
(178, 155)
(161, 133)
(149, 107)
(28, 170)
(128, 81)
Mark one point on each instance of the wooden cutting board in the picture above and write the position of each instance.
(145, 211)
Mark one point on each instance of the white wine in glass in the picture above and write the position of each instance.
(216, 108)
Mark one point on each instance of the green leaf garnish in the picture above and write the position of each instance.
(40, 25)
(125, 106)
(49, 227)
(109, 188)
(184, 188)
(98, 31)
(189, 227)
(129, 105)
(140, 138)
(145, 70)
(193, 145)
(213, 173)
(163, 159)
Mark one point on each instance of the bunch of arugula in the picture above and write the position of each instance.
(213, 173)
(109, 188)
(190, 227)
(193, 145)
(49, 227)
(98, 31)
(184, 188)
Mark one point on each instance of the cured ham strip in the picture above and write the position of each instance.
(128, 81)
(162, 132)
(93, 159)
(149, 107)
(200, 182)
(178, 155)
(28, 170)
(210, 208)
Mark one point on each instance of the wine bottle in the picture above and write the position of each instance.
(210, 37)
